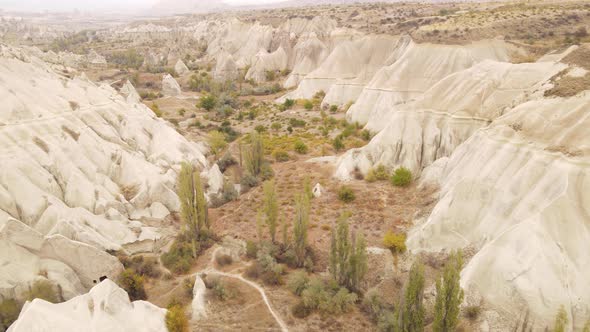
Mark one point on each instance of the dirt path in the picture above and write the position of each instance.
(211, 269)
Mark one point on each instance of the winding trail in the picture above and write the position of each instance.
(212, 270)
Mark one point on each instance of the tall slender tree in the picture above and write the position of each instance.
(449, 295)
(254, 155)
(348, 255)
(271, 208)
(300, 226)
(412, 307)
(193, 205)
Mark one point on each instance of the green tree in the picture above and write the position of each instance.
(338, 144)
(193, 206)
(348, 256)
(412, 307)
(208, 102)
(271, 208)
(254, 155)
(561, 320)
(300, 225)
(176, 320)
(216, 141)
(449, 295)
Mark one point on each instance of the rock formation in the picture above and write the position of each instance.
(181, 69)
(83, 169)
(170, 87)
(105, 308)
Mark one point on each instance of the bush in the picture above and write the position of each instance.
(270, 75)
(300, 310)
(180, 256)
(373, 304)
(248, 181)
(338, 144)
(132, 283)
(333, 109)
(145, 266)
(176, 320)
(276, 126)
(395, 242)
(472, 312)
(251, 249)
(300, 147)
(223, 260)
(156, 109)
(308, 104)
(208, 102)
(260, 129)
(388, 322)
(9, 311)
(377, 174)
(298, 282)
(43, 289)
(221, 293)
(328, 298)
(280, 155)
(289, 103)
(127, 59)
(226, 161)
(229, 192)
(402, 177)
(366, 135)
(296, 123)
(216, 141)
(346, 194)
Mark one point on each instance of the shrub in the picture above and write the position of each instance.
(346, 194)
(333, 109)
(229, 192)
(156, 109)
(561, 320)
(472, 312)
(180, 256)
(260, 129)
(216, 141)
(226, 161)
(338, 144)
(9, 311)
(276, 126)
(366, 135)
(328, 298)
(300, 310)
(127, 59)
(145, 266)
(208, 102)
(280, 155)
(402, 177)
(251, 249)
(289, 103)
(377, 174)
(132, 283)
(395, 242)
(296, 123)
(249, 181)
(270, 75)
(221, 293)
(300, 147)
(223, 260)
(298, 282)
(308, 104)
(373, 304)
(388, 322)
(43, 289)
(176, 320)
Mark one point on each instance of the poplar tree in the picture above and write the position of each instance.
(348, 256)
(193, 205)
(449, 295)
(271, 208)
(412, 307)
(300, 226)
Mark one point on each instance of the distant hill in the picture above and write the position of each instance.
(189, 6)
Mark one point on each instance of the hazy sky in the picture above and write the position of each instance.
(67, 5)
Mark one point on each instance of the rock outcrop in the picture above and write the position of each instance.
(105, 308)
(83, 169)
(181, 69)
(170, 87)
(516, 192)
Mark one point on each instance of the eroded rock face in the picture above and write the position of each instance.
(416, 133)
(170, 87)
(516, 190)
(105, 308)
(82, 169)
(181, 69)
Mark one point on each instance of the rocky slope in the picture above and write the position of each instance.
(83, 171)
(105, 308)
